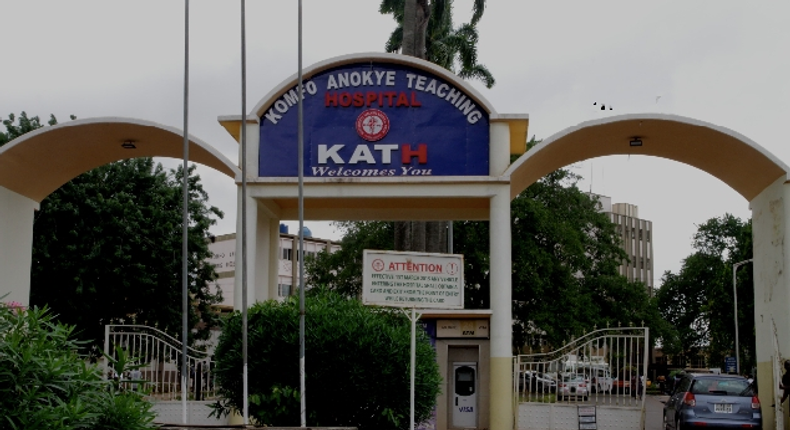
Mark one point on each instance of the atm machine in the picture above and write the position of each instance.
(464, 406)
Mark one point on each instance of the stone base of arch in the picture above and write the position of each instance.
(16, 246)
(770, 223)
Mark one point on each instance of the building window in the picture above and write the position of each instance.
(283, 290)
(287, 254)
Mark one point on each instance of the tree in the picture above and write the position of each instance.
(363, 364)
(341, 271)
(425, 30)
(25, 125)
(45, 383)
(436, 39)
(698, 300)
(681, 299)
(565, 259)
(107, 248)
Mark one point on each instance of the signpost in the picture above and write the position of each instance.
(413, 280)
(730, 365)
(407, 279)
(587, 418)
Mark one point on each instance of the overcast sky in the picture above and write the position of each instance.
(722, 62)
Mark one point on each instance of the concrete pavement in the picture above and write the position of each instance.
(654, 411)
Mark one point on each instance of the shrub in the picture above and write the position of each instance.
(356, 366)
(46, 384)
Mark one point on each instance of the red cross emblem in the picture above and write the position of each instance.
(372, 125)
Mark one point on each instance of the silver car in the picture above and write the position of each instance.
(712, 401)
(573, 386)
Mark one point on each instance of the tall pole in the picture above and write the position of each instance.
(300, 155)
(413, 367)
(735, 300)
(185, 225)
(244, 316)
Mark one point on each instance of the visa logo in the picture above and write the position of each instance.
(466, 409)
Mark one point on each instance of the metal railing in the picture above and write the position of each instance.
(604, 367)
(155, 360)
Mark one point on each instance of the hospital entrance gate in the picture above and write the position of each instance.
(594, 382)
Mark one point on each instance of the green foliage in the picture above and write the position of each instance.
(565, 259)
(45, 384)
(455, 49)
(698, 301)
(107, 247)
(124, 411)
(357, 364)
(25, 125)
(341, 271)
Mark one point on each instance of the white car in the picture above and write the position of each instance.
(573, 386)
(601, 381)
(537, 382)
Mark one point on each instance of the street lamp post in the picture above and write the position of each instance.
(735, 299)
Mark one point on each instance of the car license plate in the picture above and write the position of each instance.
(724, 408)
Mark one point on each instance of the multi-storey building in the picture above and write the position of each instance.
(636, 236)
(223, 250)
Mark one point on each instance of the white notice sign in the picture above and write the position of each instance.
(406, 279)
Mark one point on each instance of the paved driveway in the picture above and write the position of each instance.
(654, 411)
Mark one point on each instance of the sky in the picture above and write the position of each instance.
(723, 62)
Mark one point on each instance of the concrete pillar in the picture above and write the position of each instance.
(501, 406)
(16, 246)
(274, 257)
(770, 210)
(252, 248)
(499, 149)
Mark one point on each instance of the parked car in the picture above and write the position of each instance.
(712, 401)
(601, 381)
(622, 383)
(537, 382)
(573, 386)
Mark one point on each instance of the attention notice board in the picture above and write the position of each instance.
(408, 279)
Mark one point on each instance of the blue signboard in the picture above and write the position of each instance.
(375, 119)
(730, 364)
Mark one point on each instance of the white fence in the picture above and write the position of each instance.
(594, 382)
(158, 356)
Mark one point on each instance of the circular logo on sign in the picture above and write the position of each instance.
(373, 125)
(378, 265)
(452, 268)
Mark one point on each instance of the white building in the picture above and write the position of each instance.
(223, 249)
(636, 236)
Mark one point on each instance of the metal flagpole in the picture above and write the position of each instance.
(185, 224)
(300, 155)
(413, 317)
(244, 322)
(412, 367)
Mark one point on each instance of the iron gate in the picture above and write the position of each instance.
(155, 370)
(597, 381)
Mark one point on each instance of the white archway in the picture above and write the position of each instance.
(753, 172)
(36, 164)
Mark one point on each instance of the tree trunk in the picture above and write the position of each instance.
(415, 23)
(419, 236)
